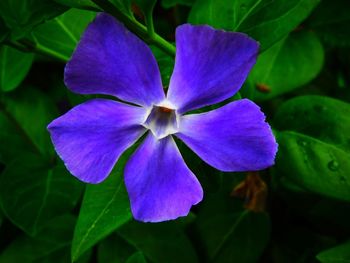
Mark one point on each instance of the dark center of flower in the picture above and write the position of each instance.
(162, 121)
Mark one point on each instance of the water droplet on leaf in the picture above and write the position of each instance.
(333, 165)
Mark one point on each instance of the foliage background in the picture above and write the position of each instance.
(301, 81)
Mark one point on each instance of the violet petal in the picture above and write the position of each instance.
(91, 137)
(160, 185)
(232, 138)
(210, 66)
(111, 60)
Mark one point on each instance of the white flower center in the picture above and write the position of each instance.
(162, 121)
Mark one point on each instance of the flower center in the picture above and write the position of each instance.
(162, 121)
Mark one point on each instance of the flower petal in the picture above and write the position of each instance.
(111, 60)
(91, 137)
(210, 66)
(160, 185)
(232, 138)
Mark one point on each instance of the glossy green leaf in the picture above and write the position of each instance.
(322, 118)
(162, 242)
(14, 66)
(114, 249)
(314, 145)
(53, 237)
(314, 165)
(138, 257)
(104, 209)
(290, 63)
(330, 20)
(338, 254)
(264, 20)
(27, 107)
(32, 192)
(229, 233)
(165, 63)
(21, 16)
(60, 35)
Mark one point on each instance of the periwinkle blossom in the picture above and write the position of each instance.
(210, 67)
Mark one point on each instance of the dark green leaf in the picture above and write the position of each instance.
(330, 20)
(60, 35)
(138, 257)
(114, 249)
(53, 237)
(21, 16)
(14, 67)
(264, 20)
(105, 208)
(31, 111)
(172, 3)
(80, 4)
(230, 234)
(287, 65)
(162, 242)
(31, 192)
(338, 254)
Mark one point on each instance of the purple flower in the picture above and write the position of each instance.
(211, 65)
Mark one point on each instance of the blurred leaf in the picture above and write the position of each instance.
(172, 3)
(137, 258)
(30, 111)
(114, 249)
(14, 66)
(4, 31)
(331, 21)
(53, 237)
(264, 20)
(287, 65)
(104, 209)
(21, 16)
(338, 254)
(31, 192)
(314, 145)
(61, 34)
(230, 234)
(162, 242)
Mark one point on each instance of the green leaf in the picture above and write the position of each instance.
(138, 257)
(264, 20)
(26, 107)
(14, 66)
(32, 192)
(60, 35)
(330, 20)
(230, 234)
(53, 237)
(338, 254)
(21, 16)
(114, 249)
(162, 242)
(290, 63)
(104, 209)
(314, 146)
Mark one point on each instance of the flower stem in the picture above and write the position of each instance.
(147, 34)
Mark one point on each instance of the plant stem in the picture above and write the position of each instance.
(148, 35)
